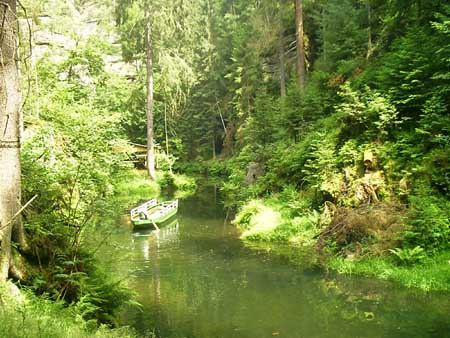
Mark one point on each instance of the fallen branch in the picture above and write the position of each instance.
(19, 212)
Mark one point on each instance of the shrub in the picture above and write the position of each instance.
(429, 220)
(181, 184)
(246, 213)
(166, 181)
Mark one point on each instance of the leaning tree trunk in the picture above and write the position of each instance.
(10, 184)
(149, 107)
(300, 44)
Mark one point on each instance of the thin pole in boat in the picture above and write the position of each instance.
(154, 224)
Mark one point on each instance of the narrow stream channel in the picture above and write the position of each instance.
(197, 280)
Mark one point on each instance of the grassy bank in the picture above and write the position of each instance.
(134, 185)
(101, 293)
(40, 318)
(431, 274)
(275, 221)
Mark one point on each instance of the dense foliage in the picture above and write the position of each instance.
(70, 160)
(366, 139)
(356, 164)
(83, 104)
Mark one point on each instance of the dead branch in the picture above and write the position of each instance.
(19, 212)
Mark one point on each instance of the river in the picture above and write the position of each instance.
(196, 279)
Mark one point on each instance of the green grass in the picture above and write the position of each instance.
(267, 221)
(181, 185)
(134, 184)
(39, 318)
(263, 224)
(431, 274)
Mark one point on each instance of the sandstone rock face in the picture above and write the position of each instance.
(56, 34)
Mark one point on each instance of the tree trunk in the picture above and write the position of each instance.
(300, 44)
(10, 183)
(369, 31)
(281, 51)
(149, 106)
(282, 67)
(228, 143)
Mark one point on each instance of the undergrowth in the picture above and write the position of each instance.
(40, 318)
(180, 185)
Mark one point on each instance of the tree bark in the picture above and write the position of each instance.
(149, 105)
(228, 143)
(369, 31)
(281, 51)
(282, 66)
(300, 44)
(10, 99)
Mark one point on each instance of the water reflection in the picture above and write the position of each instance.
(195, 279)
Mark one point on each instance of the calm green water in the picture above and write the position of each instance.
(197, 280)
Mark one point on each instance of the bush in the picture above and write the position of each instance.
(181, 184)
(244, 216)
(166, 181)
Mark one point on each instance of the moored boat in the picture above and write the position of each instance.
(152, 213)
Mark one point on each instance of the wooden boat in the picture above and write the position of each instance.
(152, 213)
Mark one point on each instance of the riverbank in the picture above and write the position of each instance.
(30, 316)
(134, 184)
(431, 274)
(272, 221)
(104, 291)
